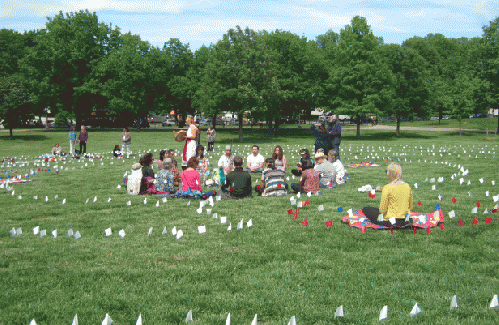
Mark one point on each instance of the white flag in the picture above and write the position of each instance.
(384, 313)
(415, 310)
(254, 322)
(75, 320)
(149, 233)
(189, 317)
(339, 312)
(139, 320)
(453, 303)
(107, 320)
(495, 302)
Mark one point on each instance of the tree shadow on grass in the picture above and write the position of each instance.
(24, 137)
(284, 134)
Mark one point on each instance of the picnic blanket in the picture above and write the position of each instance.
(421, 220)
(363, 164)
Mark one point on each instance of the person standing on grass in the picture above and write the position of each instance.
(255, 161)
(126, 138)
(309, 179)
(190, 142)
(321, 137)
(72, 141)
(82, 139)
(279, 158)
(334, 130)
(211, 136)
(238, 182)
(396, 200)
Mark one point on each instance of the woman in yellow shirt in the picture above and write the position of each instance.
(396, 200)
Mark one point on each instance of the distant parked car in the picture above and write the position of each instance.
(169, 122)
(206, 122)
(478, 116)
(446, 117)
(434, 118)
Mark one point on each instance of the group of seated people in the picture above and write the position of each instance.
(235, 180)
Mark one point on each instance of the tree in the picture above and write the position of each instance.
(410, 74)
(361, 83)
(63, 58)
(14, 98)
(240, 75)
(490, 60)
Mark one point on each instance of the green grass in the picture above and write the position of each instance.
(276, 269)
(474, 123)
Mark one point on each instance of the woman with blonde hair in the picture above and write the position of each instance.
(190, 142)
(396, 201)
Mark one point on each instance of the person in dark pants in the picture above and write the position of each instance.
(322, 137)
(396, 201)
(82, 139)
(334, 130)
(237, 182)
(309, 179)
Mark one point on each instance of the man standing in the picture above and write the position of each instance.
(334, 130)
(238, 182)
(255, 161)
(326, 170)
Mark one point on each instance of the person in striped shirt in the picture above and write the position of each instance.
(272, 183)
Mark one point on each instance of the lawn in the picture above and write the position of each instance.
(276, 269)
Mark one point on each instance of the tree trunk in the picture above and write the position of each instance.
(358, 126)
(240, 122)
(78, 121)
(497, 132)
(269, 124)
(214, 121)
(397, 132)
(10, 130)
(276, 124)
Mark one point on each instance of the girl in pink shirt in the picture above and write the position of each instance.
(191, 180)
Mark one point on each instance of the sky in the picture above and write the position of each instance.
(199, 22)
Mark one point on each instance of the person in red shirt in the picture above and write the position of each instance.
(309, 179)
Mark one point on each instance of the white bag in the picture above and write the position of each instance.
(133, 182)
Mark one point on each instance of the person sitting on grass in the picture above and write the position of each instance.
(396, 201)
(341, 172)
(238, 182)
(309, 179)
(117, 151)
(305, 154)
(255, 161)
(147, 183)
(165, 181)
(326, 170)
(191, 180)
(272, 183)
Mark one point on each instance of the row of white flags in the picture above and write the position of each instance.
(339, 313)
(108, 232)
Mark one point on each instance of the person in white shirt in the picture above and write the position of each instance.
(255, 161)
(341, 172)
(226, 162)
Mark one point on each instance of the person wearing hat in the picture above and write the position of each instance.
(321, 137)
(226, 162)
(341, 172)
(334, 130)
(326, 170)
(165, 179)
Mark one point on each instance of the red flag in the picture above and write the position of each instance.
(442, 227)
(453, 200)
(329, 223)
(419, 203)
(214, 192)
(478, 203)
(305, 222)
(295, 216)
(428, 230)
(279, 185)
(475, 221)
(414, 230)
(460, 223)
(494, 210)
(306, 202)
(391, 230)
(363, 229)
(290, 211)
(258, 187)
(488, 220)
(372, 196)
(231, 189)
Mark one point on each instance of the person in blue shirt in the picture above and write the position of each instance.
(72, 141)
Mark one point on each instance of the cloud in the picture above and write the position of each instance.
(41, 8)
(486, 8)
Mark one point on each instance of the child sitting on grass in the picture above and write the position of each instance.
(117, 151)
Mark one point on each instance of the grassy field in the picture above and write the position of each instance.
(276, 269)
